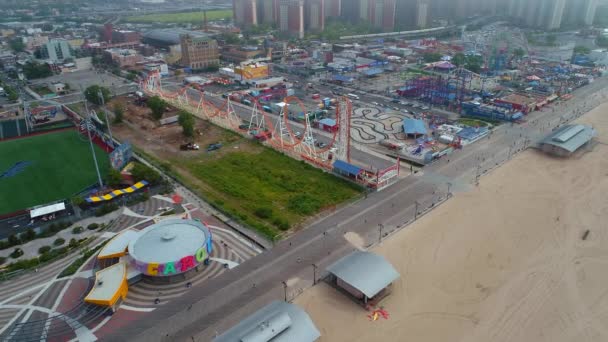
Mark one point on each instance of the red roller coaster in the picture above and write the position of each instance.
(274, 130)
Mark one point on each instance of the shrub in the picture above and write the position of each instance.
(77, 230)
(28, 235)
(106, 209)
(263, 212)
(59, 242)
(13, 240)
(281, 223)
(44, 249)
(93, 226)
(16, 253)
(73, 243)
(303, 204)
(2, 260)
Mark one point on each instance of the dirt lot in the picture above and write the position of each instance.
(162, 141)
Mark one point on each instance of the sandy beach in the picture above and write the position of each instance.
(504, 261)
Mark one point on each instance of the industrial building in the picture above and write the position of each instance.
(56, 50)
(199, 52)
(567, 140)
(491, 112)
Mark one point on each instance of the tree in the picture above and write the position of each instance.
(92, 94)
(602, 41)
(143, 172)
(114, 178)
(186, 120)
(431, 57)
(157, 106)
(17, 45)
(11, 94)
(519, 52)
(459, 59)
(581, 50)
(230, 38)
(34, 70)
(119, 113)
(474, 63)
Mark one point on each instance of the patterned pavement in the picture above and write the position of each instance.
(36, 291)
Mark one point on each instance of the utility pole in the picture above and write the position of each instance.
(314, 274)
(416, 211)
(380, 227)
(105, 112)
(449, 187)
(87, 122)
(285, 289)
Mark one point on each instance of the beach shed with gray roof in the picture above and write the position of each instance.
(365, 276)
(567, 140)
(276, 322)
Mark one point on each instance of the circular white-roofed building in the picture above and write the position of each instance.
(170, 248)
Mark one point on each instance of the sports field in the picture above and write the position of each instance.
(45, 168)
(186, 17)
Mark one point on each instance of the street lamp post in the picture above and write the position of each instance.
(449, 187)
(380, 227)
(285, 289)
(314, 274)
(416, 211)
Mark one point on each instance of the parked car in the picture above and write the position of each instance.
(189, 147)
(213, 147)
(321, 144)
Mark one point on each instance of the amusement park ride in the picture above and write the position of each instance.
(272, 130)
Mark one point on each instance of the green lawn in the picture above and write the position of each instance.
(61, 165)
(186, 17)
(265, 189)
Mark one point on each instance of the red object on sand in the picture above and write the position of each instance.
(177, 199)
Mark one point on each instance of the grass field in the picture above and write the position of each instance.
(60, 165)
(263, 188)
(186, 17)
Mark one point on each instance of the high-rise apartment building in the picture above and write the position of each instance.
(314, 12)
(412, 14)
(267, 11)
(333, 8)
(579, 12)
(291, 17)
(199, 52)
(245, 12)
(381, 14)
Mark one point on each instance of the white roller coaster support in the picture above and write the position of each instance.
(342, 144)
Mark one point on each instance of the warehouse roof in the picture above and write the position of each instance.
(414, 126)
(171, 36)
(365, 271)
(570, 137)
(276, 322)
(344, 167)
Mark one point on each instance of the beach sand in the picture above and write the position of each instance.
(502, 262)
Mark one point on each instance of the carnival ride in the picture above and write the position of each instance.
(273, 130)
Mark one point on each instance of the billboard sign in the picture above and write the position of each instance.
(121, 156)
